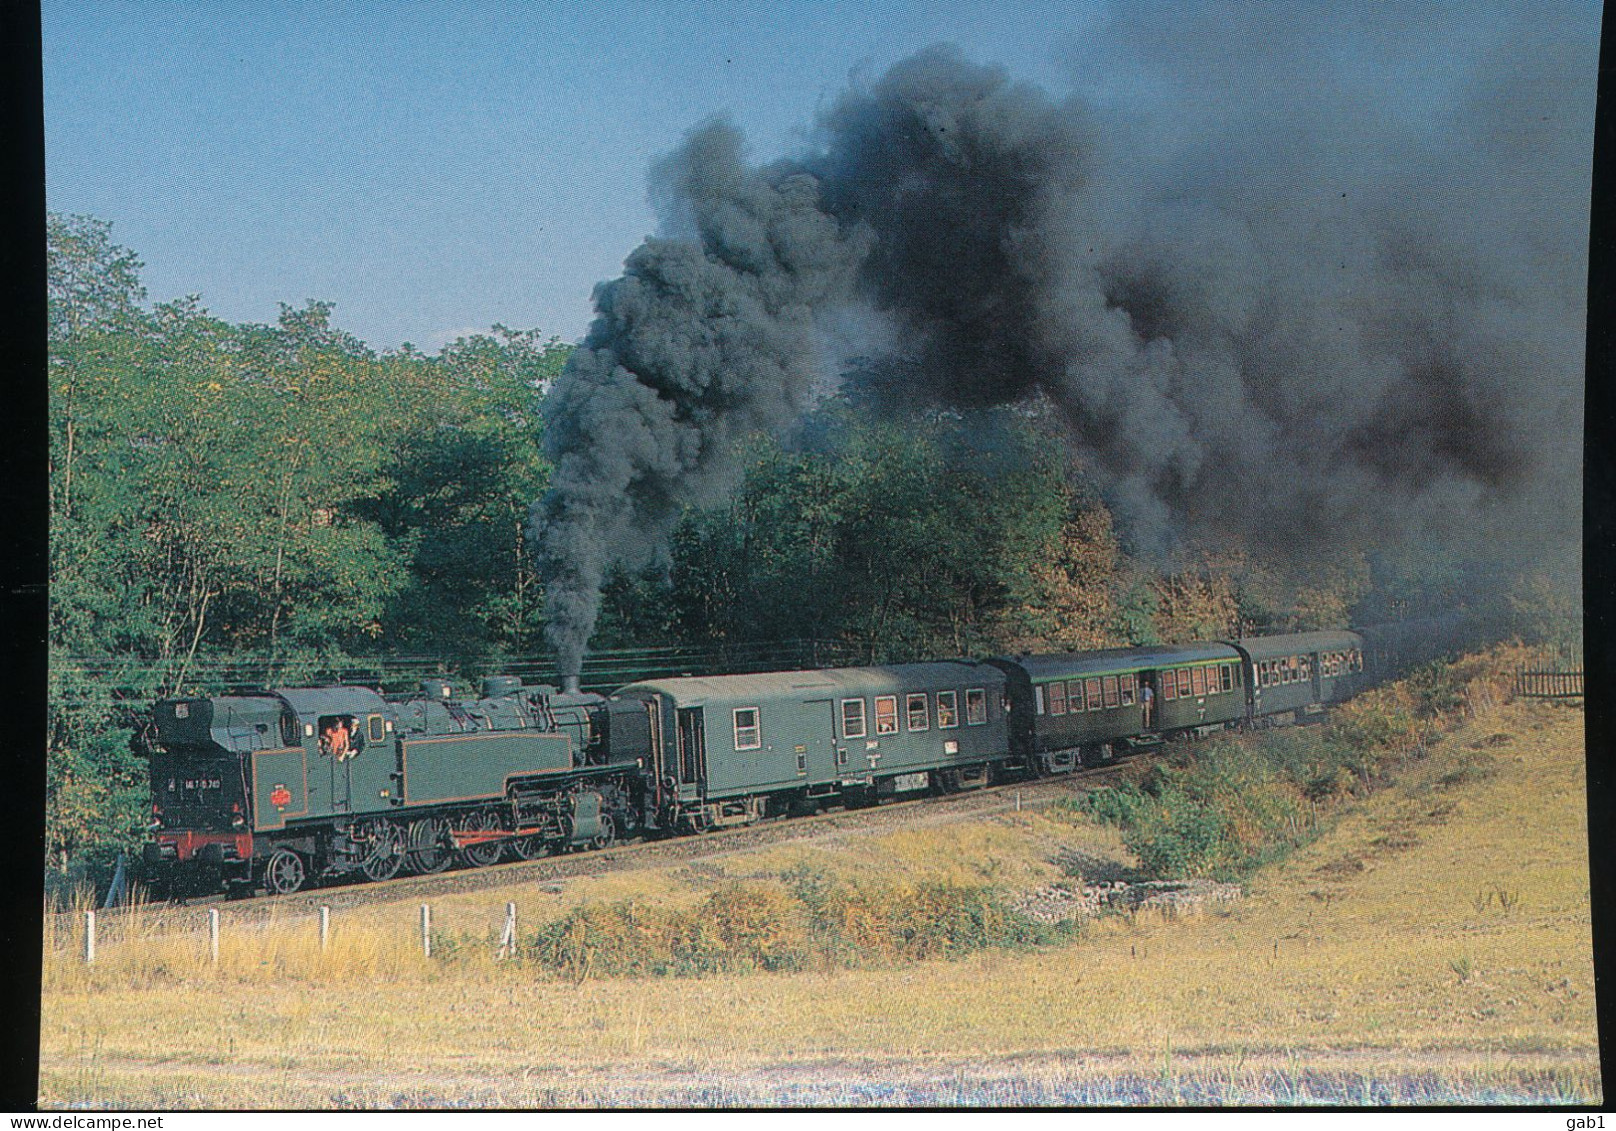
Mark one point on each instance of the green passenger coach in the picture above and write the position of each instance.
(1086, 706)
(731, 749)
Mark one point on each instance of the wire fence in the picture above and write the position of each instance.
(125, 677)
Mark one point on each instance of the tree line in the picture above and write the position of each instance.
(286, 493)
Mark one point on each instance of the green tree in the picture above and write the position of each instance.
(466, 461)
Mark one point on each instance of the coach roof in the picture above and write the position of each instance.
(830, 683)
(1121, 659)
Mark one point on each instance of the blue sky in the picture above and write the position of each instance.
(435, 168)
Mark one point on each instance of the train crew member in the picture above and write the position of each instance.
(335, 739)
(1147, 698)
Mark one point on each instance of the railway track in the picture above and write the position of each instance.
(347, 896)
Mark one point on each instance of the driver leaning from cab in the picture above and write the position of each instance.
(336, 739)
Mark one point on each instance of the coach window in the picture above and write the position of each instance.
(1109, 684)
(1183, 683)
(852, 718)
(1169, 685)
(976, 706)
(1074, 695)
(919, 715)
(1198, 681)
(1130, 687)
(1227, 677)
(886, 714)
(947, 710)
(748, 734)
(1038, 698)
(1305, 671)
(1057, 698)
(1296, 669)
(1092, 689)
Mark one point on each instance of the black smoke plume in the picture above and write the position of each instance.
(707, 337)
(1297, 292)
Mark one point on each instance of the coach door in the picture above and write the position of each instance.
(691, 745)
(819, 740)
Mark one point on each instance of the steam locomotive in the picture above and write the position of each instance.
(285, 788)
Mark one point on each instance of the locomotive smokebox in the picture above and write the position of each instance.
(569, 685)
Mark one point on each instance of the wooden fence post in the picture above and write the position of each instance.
(89, 938)
(426, 929)
(213, 935)
(325, 927)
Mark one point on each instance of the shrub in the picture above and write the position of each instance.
(803, 921)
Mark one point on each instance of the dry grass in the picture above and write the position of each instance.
(1435, 943)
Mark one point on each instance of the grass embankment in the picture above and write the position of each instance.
(1431, 945)
(1226, 807)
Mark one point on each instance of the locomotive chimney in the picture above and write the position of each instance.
(569, 685)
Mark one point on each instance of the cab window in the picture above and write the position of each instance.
(340, 737)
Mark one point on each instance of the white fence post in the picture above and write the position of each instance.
(507, 941)
(325, 927)
(426, 929)
(89, 938)
(213, 935)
